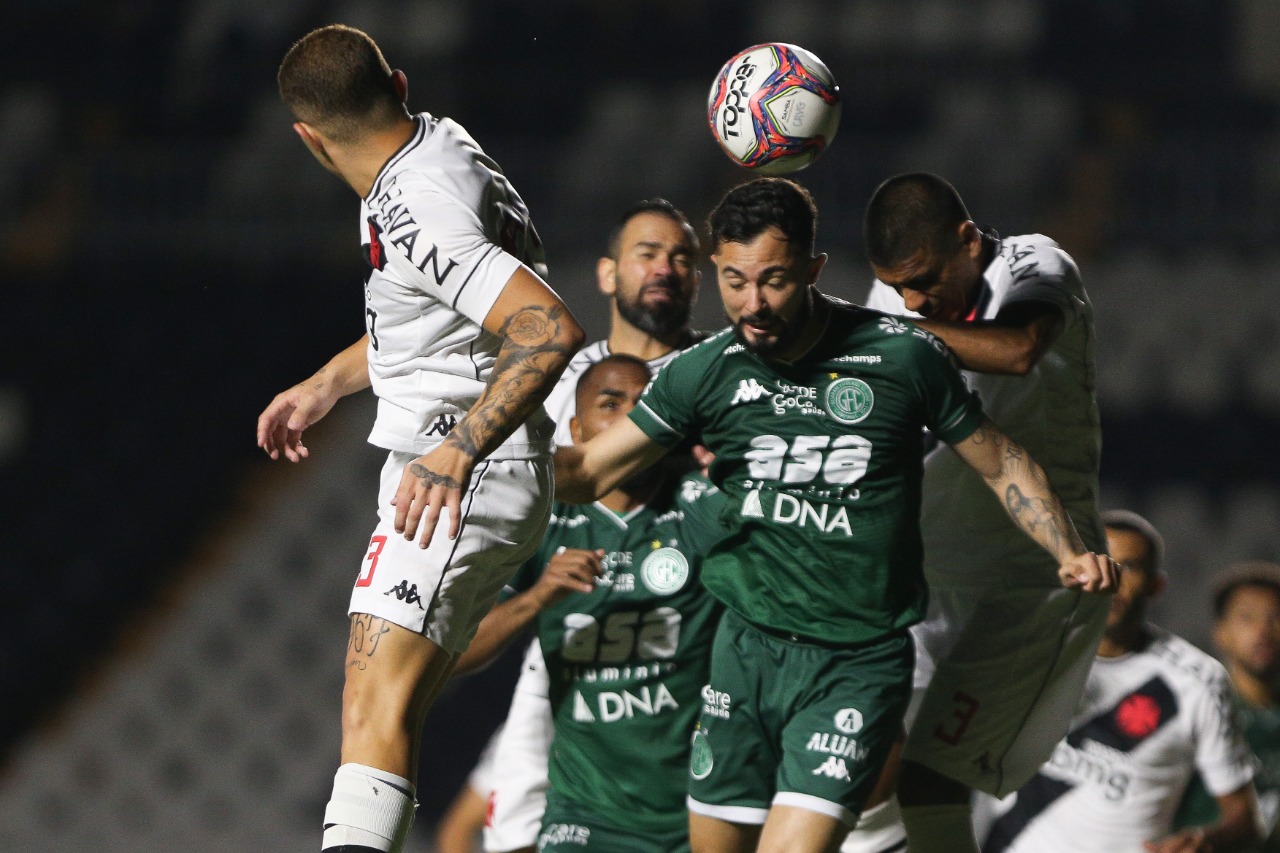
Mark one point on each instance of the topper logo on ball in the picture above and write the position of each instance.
(734, 102)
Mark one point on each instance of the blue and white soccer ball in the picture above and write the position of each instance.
(774, 108)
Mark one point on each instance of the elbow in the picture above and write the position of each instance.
(573, 336)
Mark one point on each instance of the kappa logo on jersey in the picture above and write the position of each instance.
(664, 571)
(849, 400)
(406, 592)
(749, 390)
(443, 426)
(373, 254)
(892, 326)
(834, 768)
(849, 720)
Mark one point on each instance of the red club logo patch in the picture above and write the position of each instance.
(1138, 716)
(375, 258)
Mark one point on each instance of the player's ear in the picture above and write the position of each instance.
(575, 431)
(815, 267)
(971, 238)
(606, 271)
(401, 84)
(1156, 585)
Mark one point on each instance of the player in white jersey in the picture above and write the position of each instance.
(464, 341)
(1016, 314)
(649, 274)
(1155, 709)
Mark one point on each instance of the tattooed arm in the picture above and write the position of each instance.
(1022, 486)
(539, 336)
(281, 424)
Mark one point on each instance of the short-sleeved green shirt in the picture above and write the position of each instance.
(821, 461)
(627, 662)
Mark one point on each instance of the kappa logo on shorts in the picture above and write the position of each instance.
(849, 720)
(834, 768)
(443, 426)
(849, 400)
(664, 571)
(406, 592)
(700, 758)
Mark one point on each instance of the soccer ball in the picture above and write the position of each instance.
(774, 108)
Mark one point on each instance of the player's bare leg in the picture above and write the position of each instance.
(713, 835)
(790, 829)
(936, 811)
(392, 677)
(880, 824)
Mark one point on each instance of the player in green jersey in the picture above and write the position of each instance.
(814, 410)
(626, 628)
(1246, 633)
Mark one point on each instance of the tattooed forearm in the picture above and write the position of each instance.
(1042, 519)
(536, 349)
(366, 632)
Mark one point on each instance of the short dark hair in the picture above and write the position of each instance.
(336, 79)
(1252, 573)
(1131, 522)
(750, 209)
(657, 205)
(607, 361)
(912, 214)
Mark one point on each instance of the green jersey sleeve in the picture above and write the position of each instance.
(952, 411)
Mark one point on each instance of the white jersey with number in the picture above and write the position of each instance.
(1147, 720)
(443, 231)
(1053, 412)
(561, 402)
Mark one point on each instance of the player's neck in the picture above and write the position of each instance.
(624, 500)
(1123, 640)
(626, 339)
(1255, 691)
(815, 325)
(360, 164)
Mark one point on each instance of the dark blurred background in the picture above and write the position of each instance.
(171, 258)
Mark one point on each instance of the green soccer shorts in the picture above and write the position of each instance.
(565, 833)
(795, 722)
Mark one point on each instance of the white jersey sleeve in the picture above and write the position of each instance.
(442, 231)
(1222, 758)
(1039, 271)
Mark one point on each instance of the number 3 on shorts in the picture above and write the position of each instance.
(965, 709)
(376, 544)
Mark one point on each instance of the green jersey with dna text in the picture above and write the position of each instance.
(627, 663)
(821, 463)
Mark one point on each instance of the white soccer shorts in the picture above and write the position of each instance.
(444, 590)
(519, 795)
(998, 675)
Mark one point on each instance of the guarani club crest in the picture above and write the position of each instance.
(664, 571)
(849, 400)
